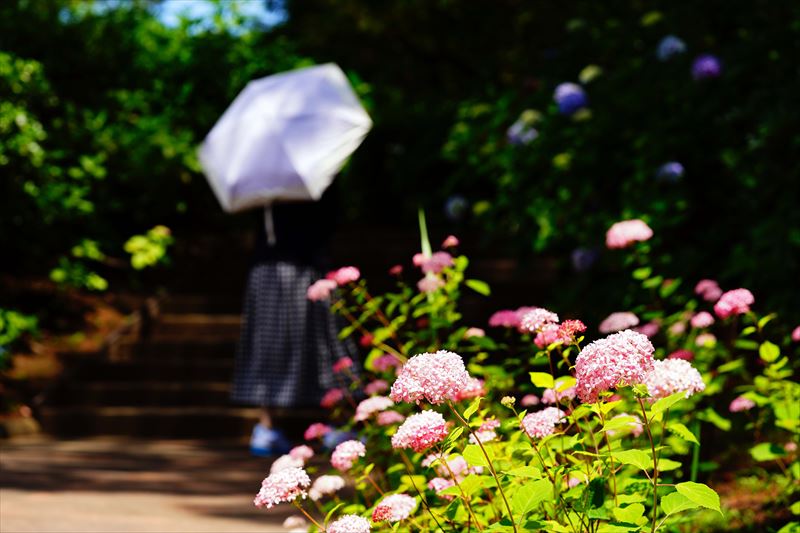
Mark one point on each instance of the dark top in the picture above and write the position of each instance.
(303, 231)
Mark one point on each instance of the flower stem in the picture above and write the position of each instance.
(300, 508)
(410, 470)
(655, 465)
(466, 499)
(610, 456)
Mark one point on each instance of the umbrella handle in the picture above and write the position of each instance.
(269, 225)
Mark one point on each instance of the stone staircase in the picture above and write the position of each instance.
(169, 382)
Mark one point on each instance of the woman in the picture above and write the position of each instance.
(288, 344)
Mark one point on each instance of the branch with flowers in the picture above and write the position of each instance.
(439, 433)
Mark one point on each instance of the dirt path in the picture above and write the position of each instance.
(123, 485)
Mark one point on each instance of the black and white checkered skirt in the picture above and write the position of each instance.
(288, 344)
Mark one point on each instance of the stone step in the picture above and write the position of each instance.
(196, 349)
(150, 422)
(144, 393)
(198, 326)
(183, 370)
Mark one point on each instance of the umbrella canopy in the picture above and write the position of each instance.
(284, 137)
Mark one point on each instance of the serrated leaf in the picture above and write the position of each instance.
(675, 502)
(683, 432)
(481, 287)
(542, 379)
(665, 403)
(636, 458)
(701, 494)
(531, 494)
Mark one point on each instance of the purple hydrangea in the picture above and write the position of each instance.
(670, 172)
(669, 47)
(521, 133)
(706, 67)
(570, 97)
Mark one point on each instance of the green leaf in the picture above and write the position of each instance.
(642, 273)
(620, 422)
(769, 352)
(524, 471)
(472, 408)
(675, 502)
(731, 366)
(474, 456)
(766, 451)
(330, 513)
(529, 495)
(630, 514)
(683, 432)
(542, 379)
(763, 321)
(665, 403)
(665, 465)
(701, 494)
(636, 458)
(481, 287)
(709, 415)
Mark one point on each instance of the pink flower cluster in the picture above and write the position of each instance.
(796, 334)
(320, 290)
(302, 452)
(342, 364)
(618, 321)
(370, 406)
(650, 329)
(703, 319)
(433, 264)
(347, 453)
(549, 395)
(505, 318)
(388, 418)
(286, 461)
(474, 332)
(671, 376)
(324, 486)
(331, 398)
(534, 320)
(450, 242)
(344, 275)
(420, 431)
(569, 329)
(349, 523)
(542, 423)
(529, 400)
(486, 432)
(394, 508)
(434, 377)
(707, 340)
(430, 284)
(376, 386)
(282, 487)
(317, 430)
(472, 389)
(438, 484)
(686, 355)
(625, 233)
(708, 289)
(549, 334)
(623, 358)
(735, 302)
(741, 403)
(385, 362)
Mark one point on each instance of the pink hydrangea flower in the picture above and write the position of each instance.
(650, 329)
(282, 487)
(370, 406)
(623, 358)
(618, 321)
(542, 423)
(349, 523)
(342, 364)
(486, 432)
(420, 431)
(317, 430)
(376, 386)
(347, 453)
(438, 484)
(385, 362)
(450, 242)
(573, 481)
(535, 319)
(430, 284)
(473, 389)
(286, 461)
(549, 395)
(686, 355)
(708, 289)
(625, 233)
(790, 447)
(389, 418)
(707, 340)
(344, 275)
(331, 398)
(796, 334)
(325, 486)
(394, 508)
(474, 332)
(741, 403)
(703, 319)
(320, 290)
(295, 522)
(436, 263)
(678, 328)
(396, 270)
(569, 330)
(434, 377)
(302, 452)
(366, 340)
(418, 259)
(635, 426)
(735, 302)
(549, 334)
(529, 400)
(671, 376)
(504, 319)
